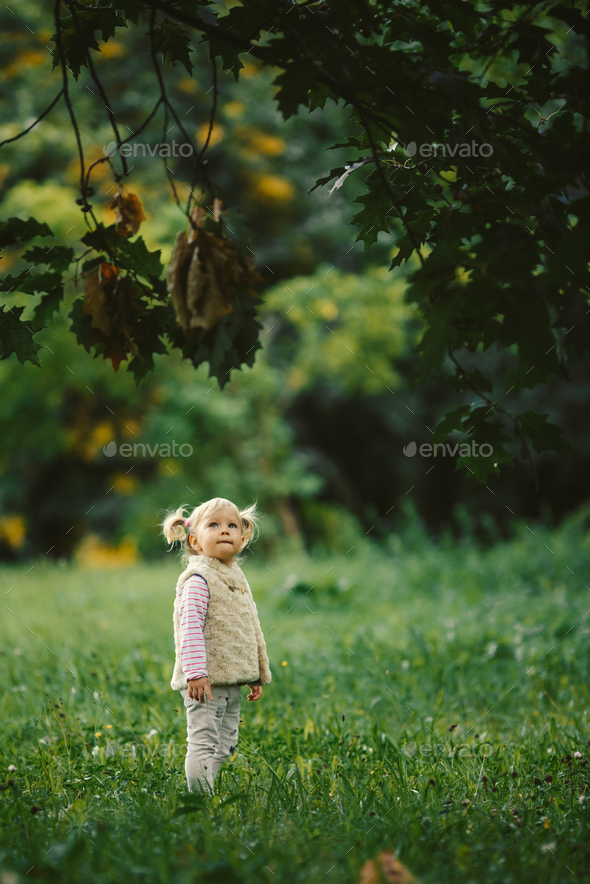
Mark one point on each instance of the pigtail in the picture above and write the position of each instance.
(250, 522)
(173, 527)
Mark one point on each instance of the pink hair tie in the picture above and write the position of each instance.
(187, 523)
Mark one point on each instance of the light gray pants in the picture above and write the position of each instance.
(212, 734)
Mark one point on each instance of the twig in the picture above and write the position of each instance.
(125, 140)
(100, 88)
(198, 161)
(38, 120)
(66, 94)
(164, 99)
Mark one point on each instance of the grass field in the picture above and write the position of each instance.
(428, 699)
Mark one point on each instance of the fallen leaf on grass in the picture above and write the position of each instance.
(386, 869)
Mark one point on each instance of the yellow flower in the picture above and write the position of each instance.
(12, 530)
(109, 726)
(284, 663)
(216, 134)
(546, 824)
(123, 483)
(112, 50)
(328, 309)
(233, 109)
(98, 734)
(261, 143)
(271, 188)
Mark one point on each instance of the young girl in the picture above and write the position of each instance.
(217, 634)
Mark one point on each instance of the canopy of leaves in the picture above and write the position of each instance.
(470, 123)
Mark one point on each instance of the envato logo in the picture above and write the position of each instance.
(439, 750)
(466, 449)
(170, 750)
(166, 449)
(461, 149)
(139, 149)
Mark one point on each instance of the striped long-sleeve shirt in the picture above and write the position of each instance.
(192, 607)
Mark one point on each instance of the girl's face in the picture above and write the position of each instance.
(219, 536)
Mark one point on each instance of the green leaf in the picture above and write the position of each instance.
(31, 283)
(130, 254)
(294, 83)
(150, 327)
(17, 337)
(81, 324)
(246, 21)
(15, 230)
(333, 174)
(78, 35)
(543, 436)
(434, 343)
(452, 420)
(485, 432)
(45, 309)
(471, 380)
(57, 257)
(374, 217)
(173, 41)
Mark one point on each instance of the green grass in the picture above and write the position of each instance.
(432, 702)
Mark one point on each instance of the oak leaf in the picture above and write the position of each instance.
(111, 301)
(205, 269)
(129, 213)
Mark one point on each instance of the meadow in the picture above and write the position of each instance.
(429, 698)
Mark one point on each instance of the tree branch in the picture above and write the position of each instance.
(38, 120)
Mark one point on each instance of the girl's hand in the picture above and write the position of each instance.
(255, 692)
(198, 687)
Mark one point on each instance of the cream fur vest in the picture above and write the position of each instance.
(234, 643)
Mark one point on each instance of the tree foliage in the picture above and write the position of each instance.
(470, 124)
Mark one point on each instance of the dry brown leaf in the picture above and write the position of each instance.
(387, 870)
(129, 213)
(177, 276)
(111, 302)
(203, 271)
(95, 301)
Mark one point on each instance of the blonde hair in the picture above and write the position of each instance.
(174, 528)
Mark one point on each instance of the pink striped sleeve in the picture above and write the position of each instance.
(193, 600)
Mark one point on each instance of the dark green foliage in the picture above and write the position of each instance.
(473, 125)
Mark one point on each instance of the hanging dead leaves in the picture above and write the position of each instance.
(112, 299)
(204, 271)
(129, 212)
(112, 302)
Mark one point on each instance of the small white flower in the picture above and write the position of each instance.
(153, 732)
(95, 751)
(550, 846)
(581, 799)
(11, 767)
(577, 754)
(405, 664)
